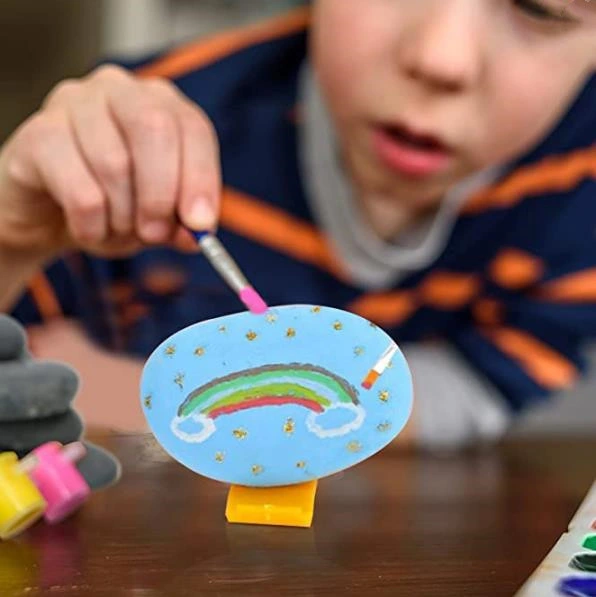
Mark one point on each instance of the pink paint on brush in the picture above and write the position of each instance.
(252, 299)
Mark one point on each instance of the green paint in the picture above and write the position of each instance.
(586, 562)
(590, 542)
(273, 389)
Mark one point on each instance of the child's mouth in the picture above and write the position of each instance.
(411, 154)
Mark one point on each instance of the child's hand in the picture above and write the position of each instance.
(108, 164)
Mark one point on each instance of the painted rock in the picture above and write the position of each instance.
(279, 398)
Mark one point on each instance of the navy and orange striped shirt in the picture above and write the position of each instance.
(514, 290)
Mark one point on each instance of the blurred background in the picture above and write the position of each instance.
(44, 41)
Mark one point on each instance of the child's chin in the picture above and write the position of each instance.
(419, 193)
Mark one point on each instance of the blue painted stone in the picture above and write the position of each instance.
(275, 399)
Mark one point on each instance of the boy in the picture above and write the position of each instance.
(437, 178)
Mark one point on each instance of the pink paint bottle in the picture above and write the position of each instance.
(52, 469)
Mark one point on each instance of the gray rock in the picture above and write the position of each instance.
(23, 436)
(12, 339)
(32, 389)
(100, 468)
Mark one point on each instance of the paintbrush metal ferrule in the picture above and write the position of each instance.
(223, 262)
(228, 269)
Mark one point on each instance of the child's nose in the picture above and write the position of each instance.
(443, 48)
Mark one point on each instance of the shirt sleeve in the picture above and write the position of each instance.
(49, 294)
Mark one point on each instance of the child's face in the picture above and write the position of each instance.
(425, 92)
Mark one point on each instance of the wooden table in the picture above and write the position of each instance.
(400, 524)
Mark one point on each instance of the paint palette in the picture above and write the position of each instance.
(570, 567)
(290, 396)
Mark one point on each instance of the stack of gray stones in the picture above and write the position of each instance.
(36, 406)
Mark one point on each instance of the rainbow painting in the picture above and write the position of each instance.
(278, 398)
(306, 386)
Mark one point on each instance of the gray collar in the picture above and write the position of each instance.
(371, 262)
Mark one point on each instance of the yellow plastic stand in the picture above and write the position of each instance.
(21, 504)
(291, 506)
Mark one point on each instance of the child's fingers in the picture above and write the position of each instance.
(200, 176)
(52, 152)
(184, 241)
(125, 159)
(107, 155)
(151, 133)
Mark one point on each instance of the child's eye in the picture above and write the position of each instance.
(538, 10)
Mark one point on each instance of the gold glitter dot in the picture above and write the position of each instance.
(179, 380)
(271, 318)
(170, 350)
(358, 351)
(291, 333)
(257, 469)
(240, 433)
(289, 426)
(385, 426)
(222, 329)
(384, 395)
(316, 309)
(301, 464)
(354, 446)
(390, 365)
(147, 401)
(220, 457)
(338, 326)
(251, 336)
(200, 351)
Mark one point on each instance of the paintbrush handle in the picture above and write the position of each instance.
(222, 261)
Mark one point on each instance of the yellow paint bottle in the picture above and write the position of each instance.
(21, 504)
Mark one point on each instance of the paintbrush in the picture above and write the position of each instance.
(379, 367)
(228, 269)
